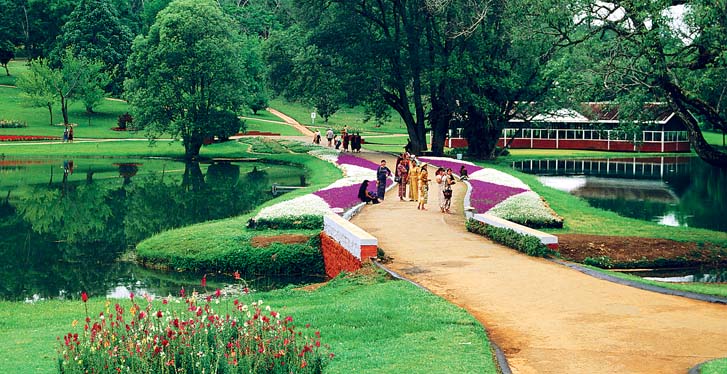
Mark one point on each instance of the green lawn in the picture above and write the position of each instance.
(715, 367)
(275, 127)
(714, 138)
(352, 117)
(372, 326)
(13, 107)
(16, 67)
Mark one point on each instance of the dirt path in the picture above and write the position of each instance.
(546, 317)
(290, 121)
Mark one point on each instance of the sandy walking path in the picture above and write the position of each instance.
(546, 317)
(290, 121)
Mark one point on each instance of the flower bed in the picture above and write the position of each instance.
(340, 196)
(162, 337)
(11, 124)
(502, 195)
(25, 138)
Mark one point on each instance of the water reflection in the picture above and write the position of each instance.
(60, 234)
(673, 191)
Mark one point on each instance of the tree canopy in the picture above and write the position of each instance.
(191, 75)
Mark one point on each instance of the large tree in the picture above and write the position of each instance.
(670, 51)
(94, 31)
(189, 77)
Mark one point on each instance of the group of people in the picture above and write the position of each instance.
(345, 142)
(68, 134)
(414, 181)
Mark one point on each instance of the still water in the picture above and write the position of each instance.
(672, 191)
(64, 223)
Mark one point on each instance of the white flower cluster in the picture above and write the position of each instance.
(524, 208)
(300, 206)
(498, 177)
(325, 154)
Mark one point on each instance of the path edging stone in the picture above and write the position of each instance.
(647, 287)
(502, 363)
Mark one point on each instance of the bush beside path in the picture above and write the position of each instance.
(547, 318)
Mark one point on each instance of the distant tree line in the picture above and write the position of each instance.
(437, 64)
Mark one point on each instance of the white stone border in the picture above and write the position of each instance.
(348, 235)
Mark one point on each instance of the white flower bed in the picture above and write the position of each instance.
(498, 177)
(300, 206)
(524, 208)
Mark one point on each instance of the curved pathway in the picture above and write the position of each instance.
(546, 317)
(290, 121)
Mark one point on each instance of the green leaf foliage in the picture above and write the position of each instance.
(191, 75)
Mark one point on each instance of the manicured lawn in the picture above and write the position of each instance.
(715, 367)
(372, 326)
(253, 123)
(14, 107)
(714, 138)
(16, 68)
(353, 117)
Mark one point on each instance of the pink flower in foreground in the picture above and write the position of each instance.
(204, 280)
(84, 296)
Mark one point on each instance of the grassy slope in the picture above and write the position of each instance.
(353, 117)
(371, 326)
(715, 367)
(175, 244)
(254, 123)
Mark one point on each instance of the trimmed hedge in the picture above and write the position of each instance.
(307, 222)
(276, 258)
(529, 245)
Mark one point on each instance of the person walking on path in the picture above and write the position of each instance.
(402, 171)
(65, 134)
(447, 181)
(413, 181)
(346, 139)
(423, 187)
(70, 134)
(382, 173)
(317, 137)
(439, 179)
(329, 136)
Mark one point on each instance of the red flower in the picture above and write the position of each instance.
(181, 292)
(204, 280)
(84, 296)
(218, 293)
(159, 314)
(131, 295)
(237, 275)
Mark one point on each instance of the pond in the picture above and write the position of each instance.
(672, 191)
(64, 223)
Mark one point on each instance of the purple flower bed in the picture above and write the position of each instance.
(453, 164)
(486, 195)
(342, 197)
(347, 159)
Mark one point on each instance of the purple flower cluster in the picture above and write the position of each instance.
(451, 164)
(342, 197)
(486, 195)
(347, 159)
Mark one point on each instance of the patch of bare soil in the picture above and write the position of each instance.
(577, 247)
(264, 241)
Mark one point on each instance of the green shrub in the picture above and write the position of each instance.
(308, 222)
(11, 124)
(603, 262)
(527, 244)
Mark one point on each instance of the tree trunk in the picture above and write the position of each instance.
(439, 118)
(704, 150)
(50, 111)
(64, 110)
(6, 69)
(482, 135)
(191, 148)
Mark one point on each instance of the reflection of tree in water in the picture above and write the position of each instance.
(704, 202)
(64, 237)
